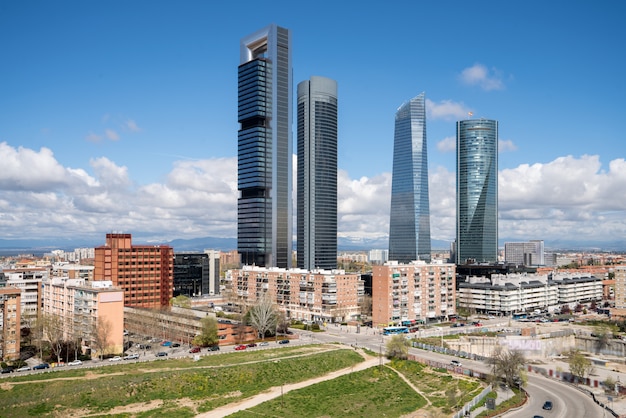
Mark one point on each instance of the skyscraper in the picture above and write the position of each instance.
(317, 174)
(409, 223)
(477, 191)
(264, 177)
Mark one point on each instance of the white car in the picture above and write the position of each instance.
(23, 369)
(131, 357)
(75, 363)
(116, 358)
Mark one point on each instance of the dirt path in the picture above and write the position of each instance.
(275, 392)
(412, 386)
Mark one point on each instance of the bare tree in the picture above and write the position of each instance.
(263, 315)
(52, 330)
(507, 365)
(101, 336)
(366, 306)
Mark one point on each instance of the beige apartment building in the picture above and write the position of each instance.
(82, 307)
(620, 293)
(320, 295)
(10, 323)
(418, 292)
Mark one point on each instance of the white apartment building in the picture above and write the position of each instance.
(319, 295)
(515, 293)
(29, 281)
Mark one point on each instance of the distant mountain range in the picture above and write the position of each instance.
(40, 246)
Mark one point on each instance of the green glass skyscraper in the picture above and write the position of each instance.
(477, 191)
(409, 222)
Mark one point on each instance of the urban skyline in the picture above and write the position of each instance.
(133, 129)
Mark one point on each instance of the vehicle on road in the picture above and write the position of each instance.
(116, 358)
(131, 356)
(161, 354)
(23, 369)
(7, 370)
(537, 416)
(547, 405)
(176, 345)
(214, 348)
(455, 363)
(283, 342)
(395, 330)
(41, 366)
(195, 350)
(75, 363)
(240, 347)
(263, 344)
(252, 345)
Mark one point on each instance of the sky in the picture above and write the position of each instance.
(121, 116)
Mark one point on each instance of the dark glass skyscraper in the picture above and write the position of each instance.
(264, 177)
(317, 174)
(477, 191)
(409, 223)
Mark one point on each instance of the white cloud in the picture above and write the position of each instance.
(481, 76)
(111, 134)
(568, 198)
(132, 126)
(505, 145)
(446, 110)
(448, 144)
(91, 137)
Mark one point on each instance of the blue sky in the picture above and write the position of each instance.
(121, 116)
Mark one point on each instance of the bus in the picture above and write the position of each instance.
(395, 330)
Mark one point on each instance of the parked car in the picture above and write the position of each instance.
(263, 344)
(195, 350)
(7, 370)
(252, 345)
(161, 354)
(131, 356)
(166, 344)
(240, 347)
(23, 369)
(75, 363)
(176, 345)
(547, 405)
(41, 366)
(283, 342)
(214, 348)
(116, 358)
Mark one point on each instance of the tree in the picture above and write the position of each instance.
(181, 301)
(101, 336)
(397, 347)
(208, 335)
(263, 315)
(52, 330)
(366, 306)
(507, 366)
(579, 365)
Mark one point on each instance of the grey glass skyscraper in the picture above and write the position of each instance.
(477, 191)
(317, 174)
(409, 223)
(264, 177)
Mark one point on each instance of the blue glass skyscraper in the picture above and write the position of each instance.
(409, 223)
(477, 191)
(317, 174)
(264, 176)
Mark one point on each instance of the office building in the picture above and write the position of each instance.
(409, 223)
(524, 253)
(264, 176)
(418, 292)
(144, 272)
(10, 323)
(477, 191)
(317, 174)
(197, 274)
(320, 295)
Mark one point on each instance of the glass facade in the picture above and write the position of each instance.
(317, 174)
(264, 177)
(477, 191)
(409, 223)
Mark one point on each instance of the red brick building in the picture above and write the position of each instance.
(145, 272)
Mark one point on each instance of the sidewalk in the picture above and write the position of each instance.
(502, 395)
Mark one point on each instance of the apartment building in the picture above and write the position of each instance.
(28, 280)
(144, 272)
(73, 271)
(10, 323)
(507, 294)
(416, 291)
(319, 295)
(85, 308)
